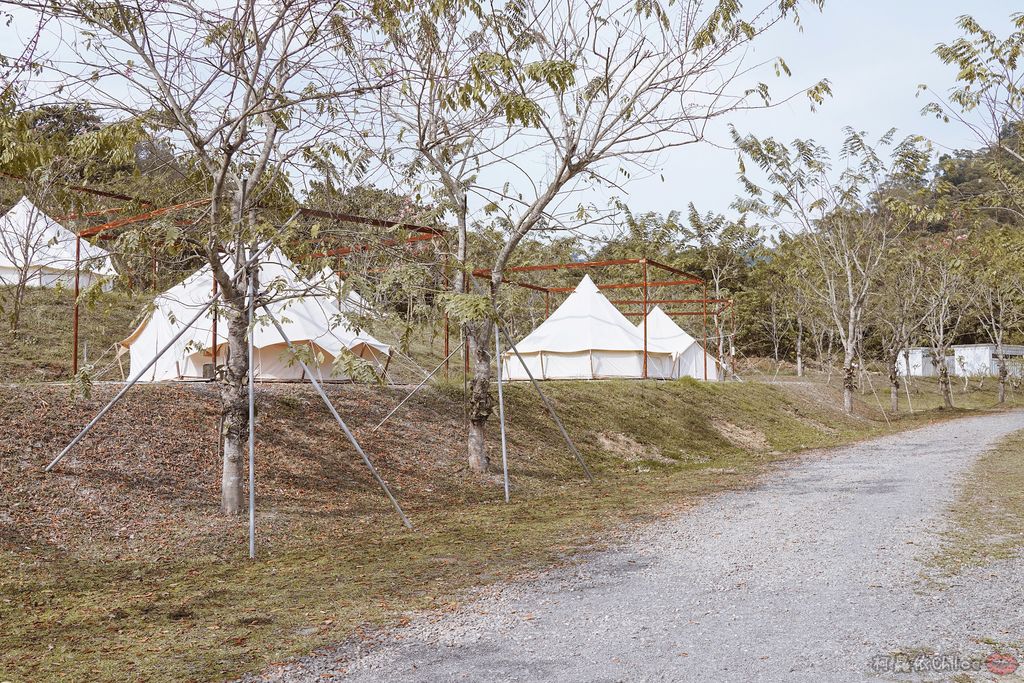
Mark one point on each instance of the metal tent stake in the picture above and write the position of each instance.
(547, 404)
(501, 410)
(129, 385)
(337, 418)
(418, 387)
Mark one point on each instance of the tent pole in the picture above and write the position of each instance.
(501, 410)
(547, 304)
(74, 314)
(252, 413)
(337, 418)
(418, 387)
(547, 404)
(131, 383)
(705, 304)
(644, 262)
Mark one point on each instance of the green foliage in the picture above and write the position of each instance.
(348, 364)
(466, 308)
(82, 381)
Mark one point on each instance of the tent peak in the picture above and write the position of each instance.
(586, 286)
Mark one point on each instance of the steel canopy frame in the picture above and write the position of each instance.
(424, 233)
(684, 278)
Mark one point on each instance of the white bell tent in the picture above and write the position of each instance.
(307, 308)
(38, 248)
(687, 355)
(585, 338)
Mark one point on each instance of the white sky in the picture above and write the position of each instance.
(875, 53)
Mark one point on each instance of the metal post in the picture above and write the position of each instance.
(215, 331)
(337, 418)
(74, 315)
(547, 404)
(644, 262)
(732, 337)
(252, 413)
(128, 386)
(446, 354)
(705, 332)
(501, 410)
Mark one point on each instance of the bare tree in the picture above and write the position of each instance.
(988, 101)
(845, 224)
(898, 312)
(23, 247)
(248, 92)
(725, 247)
(593, 90)
(943, 293)
(996, 289)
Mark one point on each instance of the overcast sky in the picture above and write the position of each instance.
(874, 52)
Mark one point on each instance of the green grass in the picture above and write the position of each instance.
(119, 566)
(987, 520)
(41, 350)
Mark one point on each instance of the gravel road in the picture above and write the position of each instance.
(807, 577)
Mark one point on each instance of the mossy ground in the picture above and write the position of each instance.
(40, 351)
(987, 519)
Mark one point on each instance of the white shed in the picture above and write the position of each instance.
(921, 364)
(981, 360)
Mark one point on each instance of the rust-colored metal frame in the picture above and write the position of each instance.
(645, 285)
(424, 233)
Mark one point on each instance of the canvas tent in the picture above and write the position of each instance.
(688, 357)
(585, 338)
(33, 244)
(307, 308)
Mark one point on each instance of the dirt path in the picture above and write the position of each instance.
(810, 576)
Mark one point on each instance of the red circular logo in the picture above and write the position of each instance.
(1001, 664)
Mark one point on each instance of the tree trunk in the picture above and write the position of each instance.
(480, 403)
(1002, 378)
(19, 302)
(894, 386)
(849, 383)
(720, 328)
(732, 357)
(944, 385)
(234, 409)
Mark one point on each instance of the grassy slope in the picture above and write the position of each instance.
(41, 351)
(118, 566)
